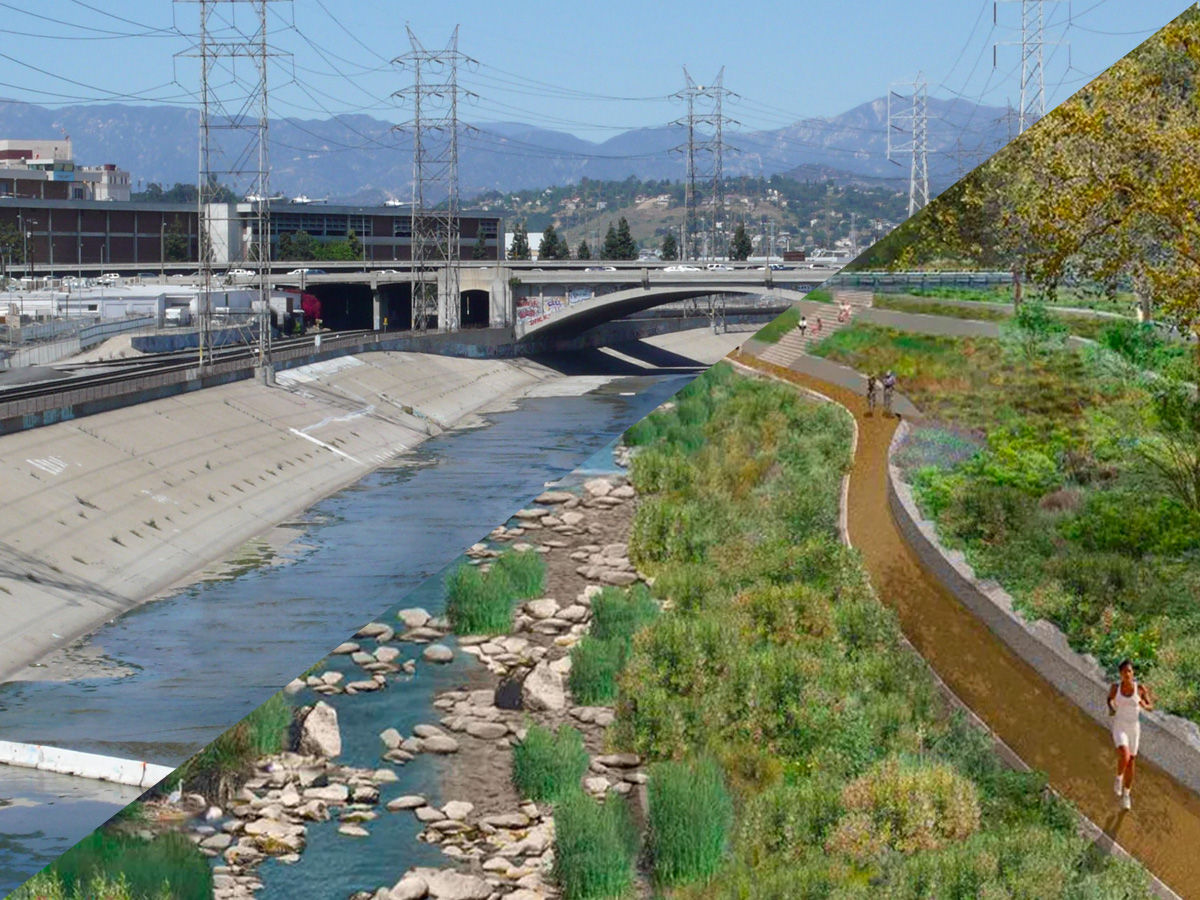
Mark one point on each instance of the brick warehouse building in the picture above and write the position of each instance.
(73, 233)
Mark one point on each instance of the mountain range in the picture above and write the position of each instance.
(362, 159)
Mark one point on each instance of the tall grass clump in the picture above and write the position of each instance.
(110, 866)
(215, 769)
(548, 765)
(483, 602)
(595, 848)
(690, 818)
(598, 660)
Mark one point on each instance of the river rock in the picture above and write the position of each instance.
(597, 487)
(413, 618)
(332, 678)
(330, 793)
(572, 518)
(620, 760)
(543, 689)
(345, 649)
(452, 885)
(424, 731)
(410, 887)
(319, 735)
(542, 609)
(488, 731)
(551, 497)
(294, 686)
(530, 514)
(429, 814)
(217, 842)
(387, 654)
(458, 809)
(408, 801)
(349, 829)
(438, 653)
(508, 694)
(374, 630)
(439, 744)
(361, 657)
(391, 738)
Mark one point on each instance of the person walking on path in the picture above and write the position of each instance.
(872, 390)
(817, 330)
(802, 326)
(889, 389)
(1126, 700)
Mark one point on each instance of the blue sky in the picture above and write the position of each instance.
(589, 68)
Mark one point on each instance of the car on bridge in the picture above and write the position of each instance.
(682, 269)
(600, 269)
(307, 272)
(239, 273)
(719, 267)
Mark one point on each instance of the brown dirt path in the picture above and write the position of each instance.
(1045, 728)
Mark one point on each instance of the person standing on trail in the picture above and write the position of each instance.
(802, 326)
(817, 330)
(872, 390)
(889, 389)
(1126, 700)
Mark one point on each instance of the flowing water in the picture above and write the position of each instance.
(180, 670)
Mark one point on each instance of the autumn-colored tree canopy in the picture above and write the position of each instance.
(1107, 187)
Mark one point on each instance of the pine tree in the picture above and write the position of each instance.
(583, 252)
(740, 249)
(670, 247)
(481, 249)
(520, 243)
(626, 246)
(551, 247)
(612, 246)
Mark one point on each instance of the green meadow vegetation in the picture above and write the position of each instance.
(796, 747)
(600, 657)
(1070, 476)
(778, 327)
(483, 602)
(110, 865)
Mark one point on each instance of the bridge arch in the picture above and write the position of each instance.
(475, 308)
(574, 319)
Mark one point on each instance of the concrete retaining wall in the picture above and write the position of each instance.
(1172, 743)
(82, 765)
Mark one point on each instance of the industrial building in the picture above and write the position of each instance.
(46, 170)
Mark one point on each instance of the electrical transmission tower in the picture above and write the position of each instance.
(908, 135)
(1033, 73)
(434, 96)
(714, 95)
(239, 162)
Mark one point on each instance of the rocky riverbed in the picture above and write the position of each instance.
(495, 842)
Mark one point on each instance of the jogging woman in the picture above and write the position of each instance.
(1126, 700)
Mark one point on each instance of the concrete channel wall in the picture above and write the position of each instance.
(82, 765)
(1171, 742)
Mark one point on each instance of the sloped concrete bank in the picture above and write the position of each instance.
(103, 513)
(1171, 742)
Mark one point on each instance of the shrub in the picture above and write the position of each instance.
(621, 614)
(595, 847)
(786, 821)
(905, 807)
(689, 820)
(523, 572)
(214, 770)
(595, 666)
(110, 866)
(546, 765)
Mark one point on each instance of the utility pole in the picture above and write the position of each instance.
(246, 166)
(1033, 74)
(717, 92)
(435, 231)
(908, 135)
(689, 94)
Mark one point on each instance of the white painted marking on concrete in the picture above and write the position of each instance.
(52, 464)
(357, 414)
(82, 765)
(319, 443)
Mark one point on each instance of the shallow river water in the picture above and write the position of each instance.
(204, 657)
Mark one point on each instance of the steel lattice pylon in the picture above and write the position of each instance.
(434, 236)
(908, 135)
(715, 147)
(1032, 106)
(245, 165)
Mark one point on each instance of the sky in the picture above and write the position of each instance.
(592, 69)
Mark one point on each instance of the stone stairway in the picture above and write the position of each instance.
(793, 345)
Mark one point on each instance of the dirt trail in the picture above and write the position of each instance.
(1045, 728)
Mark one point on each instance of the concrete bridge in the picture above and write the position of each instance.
(547, 300)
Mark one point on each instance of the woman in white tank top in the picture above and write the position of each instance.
(1126, 700)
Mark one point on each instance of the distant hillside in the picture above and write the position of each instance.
(361, 158)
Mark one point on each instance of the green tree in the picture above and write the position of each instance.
(626, 246)
(1174, 452)
(304, 246)
(552, 246)
(611, 247)
(670, 247)
(583, 251)
(740, 248)
(284, 249)
(520, 243)
(176, 243)
(356, 245)
(481, 249)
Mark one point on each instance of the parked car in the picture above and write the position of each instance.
(109, 278)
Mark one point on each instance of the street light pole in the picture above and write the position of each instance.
(162, 249)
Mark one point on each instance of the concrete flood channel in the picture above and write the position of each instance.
(163, 685)
(1045, 729)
